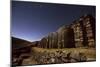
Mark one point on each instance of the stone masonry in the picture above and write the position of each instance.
(81, 33)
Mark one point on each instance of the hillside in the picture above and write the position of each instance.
(19, 43)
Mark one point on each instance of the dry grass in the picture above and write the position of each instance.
(89, 52)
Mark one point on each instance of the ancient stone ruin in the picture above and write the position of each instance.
(80, 33)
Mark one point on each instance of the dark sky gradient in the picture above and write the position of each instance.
(31, 20)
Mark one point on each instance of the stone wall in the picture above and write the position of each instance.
(81, 33)
(84, 31)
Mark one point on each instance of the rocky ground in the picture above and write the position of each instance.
(55, 56)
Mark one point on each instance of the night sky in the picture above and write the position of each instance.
(33, 20)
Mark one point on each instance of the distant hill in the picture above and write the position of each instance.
(19, 43)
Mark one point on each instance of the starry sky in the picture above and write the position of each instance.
(33, 20)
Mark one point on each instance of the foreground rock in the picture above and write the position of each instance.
(54, 56)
